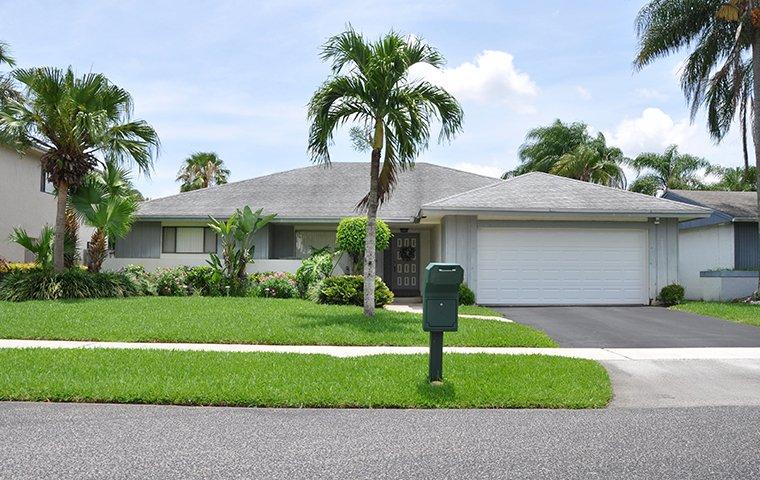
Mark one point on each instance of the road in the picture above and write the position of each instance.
(131, 441)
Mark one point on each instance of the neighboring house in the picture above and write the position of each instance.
(26, 200)
(719, 256)
(531, 240)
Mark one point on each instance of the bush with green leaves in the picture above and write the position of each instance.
(202, 281)
(172, 282)
(144, 281)
(466, 295)
(45, 284)
(349, 290)
(41, 247)
(313, 270)
(672, 294)
(276, 285)
(351, 236)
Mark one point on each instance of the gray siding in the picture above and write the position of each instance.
(746, 246)
(459, 244)
(663, 255)
(143, 241)
(261, 241)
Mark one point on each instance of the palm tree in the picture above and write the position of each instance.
(668, 170)
(201, 170)
(722, 70)
(7, 89)
(369, 87)
(106, 201)
(78, 123)
(544, 146)
(734, 179)
(595, 163)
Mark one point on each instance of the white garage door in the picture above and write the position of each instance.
(558, 266)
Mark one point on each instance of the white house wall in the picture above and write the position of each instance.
(700, 249)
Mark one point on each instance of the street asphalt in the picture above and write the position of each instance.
(633, 327)
(63, 441)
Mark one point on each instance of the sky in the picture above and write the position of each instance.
(235, 77)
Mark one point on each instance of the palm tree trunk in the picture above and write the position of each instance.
(756, 119)
(97, 251)
(369, 243)
(60, 226)
(372, 203)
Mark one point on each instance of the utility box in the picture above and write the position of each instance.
(440, 297)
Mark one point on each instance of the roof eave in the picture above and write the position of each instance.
(692, 214)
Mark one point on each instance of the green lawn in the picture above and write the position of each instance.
(478, 310)
(241, 320)
(736, 312)
(291, 380)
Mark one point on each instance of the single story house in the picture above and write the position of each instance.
(719, 256)
(536, 239)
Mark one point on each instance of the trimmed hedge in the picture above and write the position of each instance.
(672, 294)
(36, 284)
(466, 295)
(349, 290)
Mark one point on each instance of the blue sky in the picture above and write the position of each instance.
(234, 77)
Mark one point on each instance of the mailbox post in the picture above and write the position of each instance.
(440, 308)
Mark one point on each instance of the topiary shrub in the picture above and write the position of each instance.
(74, 283)
(276, 285)
(466, 295)
(349, 290)
(352, 234)
(672, 294)
(313, 270)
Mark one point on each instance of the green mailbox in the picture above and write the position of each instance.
(440, 297)
(440, 308)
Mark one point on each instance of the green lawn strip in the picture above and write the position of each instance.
(293, 380)
(242, 320)
(735, 312)
(478, 310)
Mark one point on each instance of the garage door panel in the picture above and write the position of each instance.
(534, 266)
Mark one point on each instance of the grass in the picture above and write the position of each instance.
(478, 310)
(241, 320)
(735, 312)
(292, 380)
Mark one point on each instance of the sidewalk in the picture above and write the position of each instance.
(601, 354)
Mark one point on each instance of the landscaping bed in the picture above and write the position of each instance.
(735, 312)
(247, 320)
(293, 380)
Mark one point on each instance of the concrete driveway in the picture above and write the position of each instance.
(633, 327)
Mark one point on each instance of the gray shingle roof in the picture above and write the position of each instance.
(542, 192)
(734, 204)
(317, 192)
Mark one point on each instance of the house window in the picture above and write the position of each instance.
(188, 240)
(46, 186)
(307, 241)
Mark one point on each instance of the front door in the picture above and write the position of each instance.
(405, 264)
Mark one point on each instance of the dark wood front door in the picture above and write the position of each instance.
(405, 264)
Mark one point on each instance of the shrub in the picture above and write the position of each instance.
(352, 233)
(202, 281)
(9, 267)
(39, 284)
(672, 294)
(466, 295)
(276, 285)
(172, 282)
(349, 290)
(144, 281)
(313, 270)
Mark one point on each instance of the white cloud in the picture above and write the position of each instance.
(481, 169)
(492, 78)
(653, 131)
(650, 94)
(583, 92)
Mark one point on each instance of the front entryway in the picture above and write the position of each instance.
(404, 265)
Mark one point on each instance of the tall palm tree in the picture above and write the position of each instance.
(668, 170)
(593, 162)
(78, 122)
(201, 170)
(722, 70)
(544, 146)
(7, 88)
(370, 87)
(106, 201)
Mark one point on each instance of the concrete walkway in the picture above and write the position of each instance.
(600, 354)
